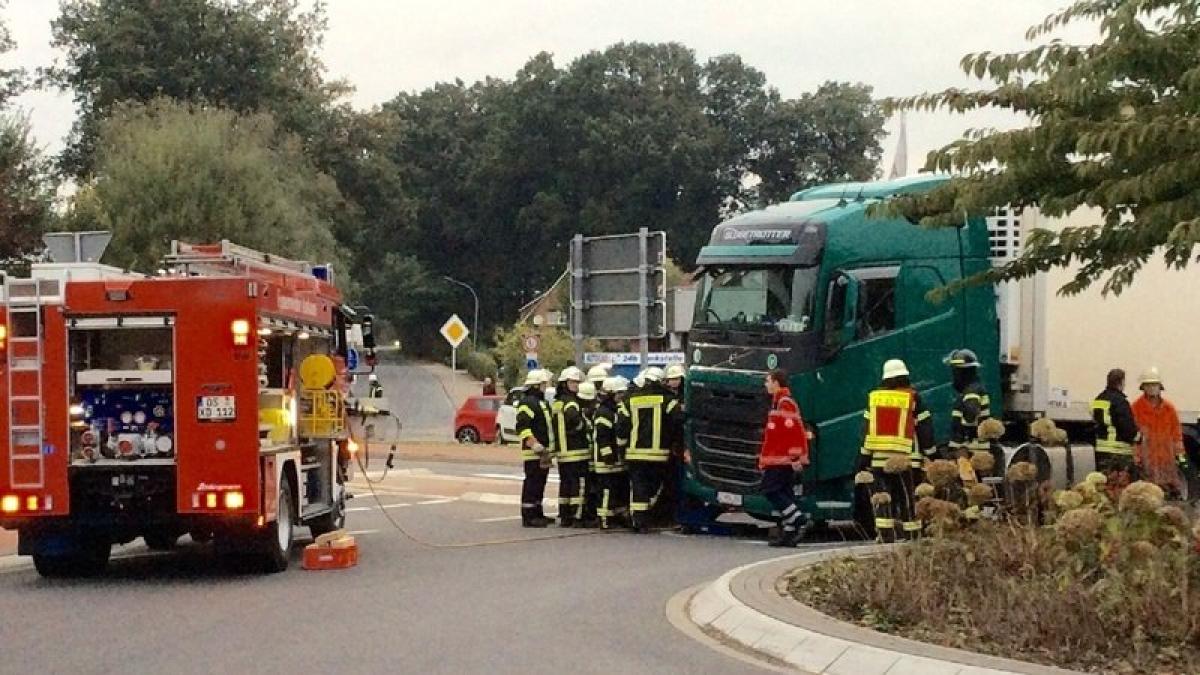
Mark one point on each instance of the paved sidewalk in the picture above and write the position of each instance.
(745, 606)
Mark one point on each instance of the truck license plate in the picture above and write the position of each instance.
(216, 408)
(729, 499)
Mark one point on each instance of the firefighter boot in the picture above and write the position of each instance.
(530, 518)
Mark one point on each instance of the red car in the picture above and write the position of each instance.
(475, 421)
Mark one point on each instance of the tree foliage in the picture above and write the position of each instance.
(26, 189)
(168, 170)
(1115, 126)
(246, 55)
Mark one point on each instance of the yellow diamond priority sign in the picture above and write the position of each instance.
(455, 331)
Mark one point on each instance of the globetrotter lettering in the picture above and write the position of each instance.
(297, 305)
(757, 235)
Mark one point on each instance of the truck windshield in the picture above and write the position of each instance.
(749, 298)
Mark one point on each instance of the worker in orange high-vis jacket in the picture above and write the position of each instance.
(898, 425)
(783, 455)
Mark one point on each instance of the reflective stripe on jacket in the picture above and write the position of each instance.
(1116, 430)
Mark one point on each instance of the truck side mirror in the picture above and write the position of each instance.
(368, 332)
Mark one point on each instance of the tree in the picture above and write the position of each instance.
(246, 55)
(12, 80)
(168, 170)
(26, 190)
(1115, 126)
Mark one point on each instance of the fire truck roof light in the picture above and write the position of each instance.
(234, 500)
(10, 504)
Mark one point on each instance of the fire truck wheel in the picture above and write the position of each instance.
(160, 540)
(91, 559)
(277, 538)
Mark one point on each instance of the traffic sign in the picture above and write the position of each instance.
(531, 364)
(531, 342)
(455, 331)
(352, 359)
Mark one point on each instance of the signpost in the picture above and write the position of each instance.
(531, 342)
(455, 332)
(619, 288)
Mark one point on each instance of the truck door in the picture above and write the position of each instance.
(860, 334)
(931, 331)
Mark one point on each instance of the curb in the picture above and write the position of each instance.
(815, 643)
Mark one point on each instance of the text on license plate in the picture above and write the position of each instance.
(215, 408)
(729, 499)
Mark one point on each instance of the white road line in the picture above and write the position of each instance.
(355, 533)
(553, 478)
(443, 500)
(376, 507)
(498, 519)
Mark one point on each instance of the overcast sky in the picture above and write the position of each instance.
(382, 47)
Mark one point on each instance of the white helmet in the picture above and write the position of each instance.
(1151, 376)
(587, 391)
(894, 368)
(653, 374)
(614, 385)
(674, 372)
(572, 374)
(598, 372)
(536, 377)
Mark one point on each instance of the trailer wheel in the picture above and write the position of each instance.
(277, 537)
(89, 560)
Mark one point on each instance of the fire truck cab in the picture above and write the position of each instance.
(207, 400)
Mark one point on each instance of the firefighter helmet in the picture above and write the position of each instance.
(598, 372)
(1151, 376)
(653, 374)
(893, 368)
(614, 385)
(535, 377)
(962, 358)
(571, 374)
(587, 391)
(674, 372)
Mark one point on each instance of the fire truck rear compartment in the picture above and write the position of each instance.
(121, 391)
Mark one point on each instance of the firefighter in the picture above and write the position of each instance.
(781, 463)
(574, 448)
(611, 428)
(665, 511)
(971, 406)
(1116, 431)
(655, 418)
(534, 423)
(897, 425)
(596, 375)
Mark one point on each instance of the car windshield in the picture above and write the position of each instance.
(756, 298)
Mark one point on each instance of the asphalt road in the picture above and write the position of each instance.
(424, 397)
(586, 604)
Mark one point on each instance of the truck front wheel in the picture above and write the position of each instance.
(277, 537)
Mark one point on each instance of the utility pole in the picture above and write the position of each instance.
(475, 322)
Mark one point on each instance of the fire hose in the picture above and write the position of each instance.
(363, 460)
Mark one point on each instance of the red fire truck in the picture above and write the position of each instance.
(206, 400)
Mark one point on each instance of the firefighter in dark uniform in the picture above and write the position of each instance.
(897, 427)
(596, 375)
(971, 406)
(1116, 431)
(574, 447)
(655, 419)
(534, 423)
(611, 427)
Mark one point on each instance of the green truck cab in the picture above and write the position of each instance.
(816, 287)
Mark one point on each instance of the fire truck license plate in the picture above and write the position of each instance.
(215, 408)
(729, 499)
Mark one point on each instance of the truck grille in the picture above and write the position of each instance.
(727, 427)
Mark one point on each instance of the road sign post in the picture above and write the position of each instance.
(618, 288)
(455, 332)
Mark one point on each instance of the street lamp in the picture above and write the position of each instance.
(475, 323)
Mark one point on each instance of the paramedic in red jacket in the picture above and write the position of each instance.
(783, 455)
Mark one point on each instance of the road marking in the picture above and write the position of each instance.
(442, 500)
(355, 533)
(376, 507)
(498, 519)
